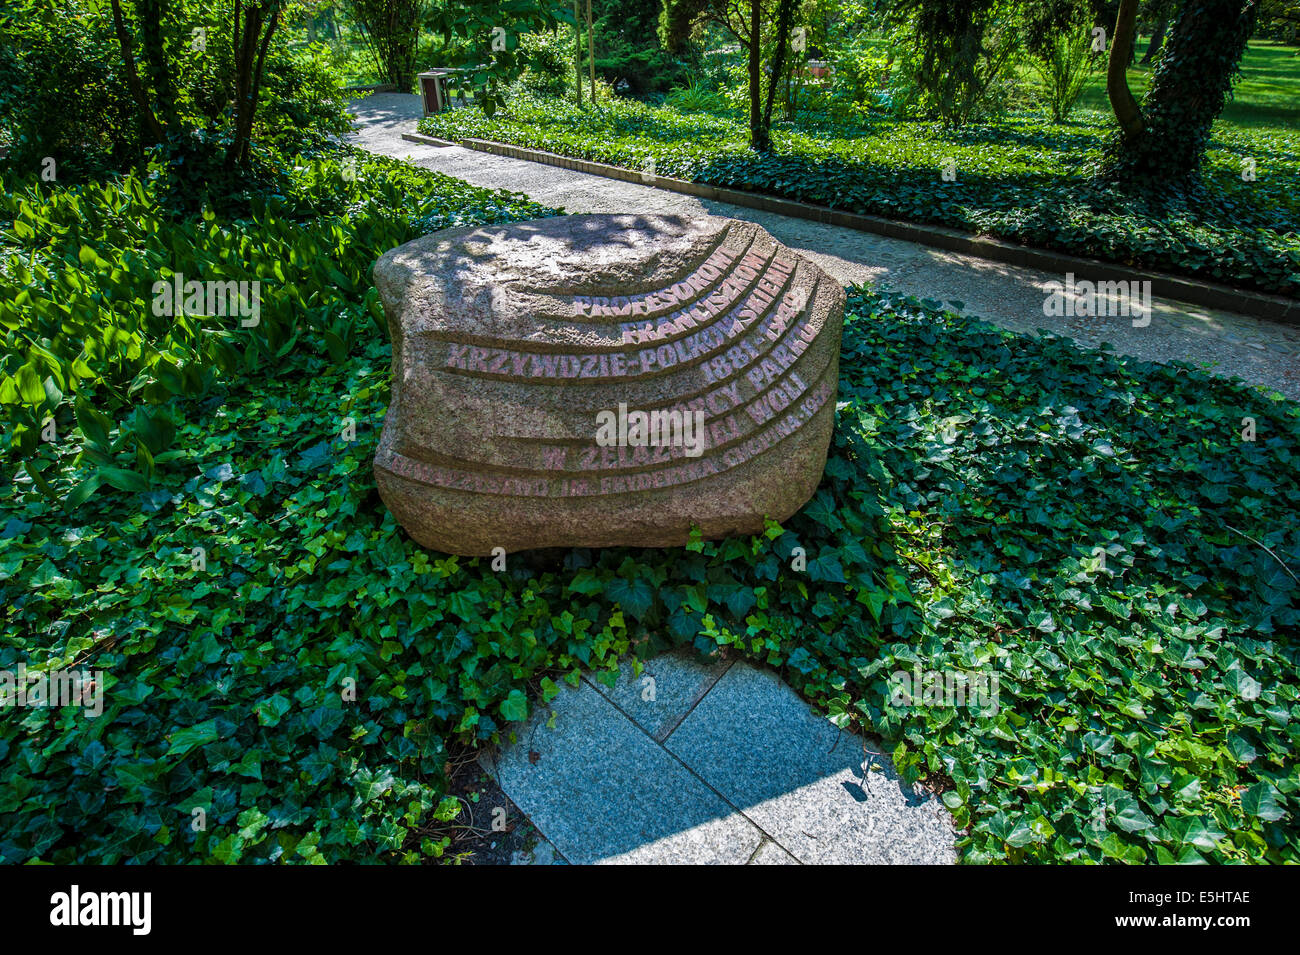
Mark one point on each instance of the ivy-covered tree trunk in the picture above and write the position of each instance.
(1192, 84)
(153, 16)
(1157, 40)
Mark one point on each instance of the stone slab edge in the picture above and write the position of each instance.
(1207, 294)
(427, 140)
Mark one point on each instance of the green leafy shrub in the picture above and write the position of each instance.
(1062, 68)
(549, 64)
(696, 98)
(64, 95)
(63, 92)
(1022, 180)
(78, 268)
(304, 108)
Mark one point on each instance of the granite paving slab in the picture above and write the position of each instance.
(805, 782)
(668, 687)
(601, 790)
(769, 853)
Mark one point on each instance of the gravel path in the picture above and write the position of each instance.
(1226, 343)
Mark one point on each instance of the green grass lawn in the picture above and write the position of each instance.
(1267, 97)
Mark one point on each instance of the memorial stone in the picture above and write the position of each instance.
(604, 380)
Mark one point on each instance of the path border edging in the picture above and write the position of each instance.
(427, 140)
(1194, 291)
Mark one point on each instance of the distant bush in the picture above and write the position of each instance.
(696, 98)
(1062, 68)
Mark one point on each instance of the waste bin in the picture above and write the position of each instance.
(433, 90)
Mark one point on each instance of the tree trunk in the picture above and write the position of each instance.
(591, 52)
(758, 138)
(257, 86)
(577, 50)
(1121, 50)
(785, 14)
(250, 59)
(1157, 40)
(152, 15)
(148, 121)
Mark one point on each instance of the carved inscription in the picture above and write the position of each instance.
(481, 482)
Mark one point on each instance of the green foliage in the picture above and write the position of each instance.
(224, 685)
(1095, 529)
(64, 95)
(1021, 179)
(78, 268)
(391, 31)
(471, 30)
(1063, 65)
(762, 28)
(696, 98)
(628, 49)
(304, 108)
(62, 92)
(1148, 706)
(548, 59)
(963, 49)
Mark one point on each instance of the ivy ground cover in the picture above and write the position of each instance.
(280, 662)
(1023, 179)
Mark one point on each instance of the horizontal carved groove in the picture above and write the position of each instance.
(739, 423)
(507, 365)
(690, 471)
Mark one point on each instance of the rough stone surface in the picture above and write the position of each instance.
(509, 341)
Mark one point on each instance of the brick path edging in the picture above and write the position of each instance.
(1207, 294)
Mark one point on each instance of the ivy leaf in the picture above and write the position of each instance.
(634, 596)
(514, 707)
(1261, 801)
